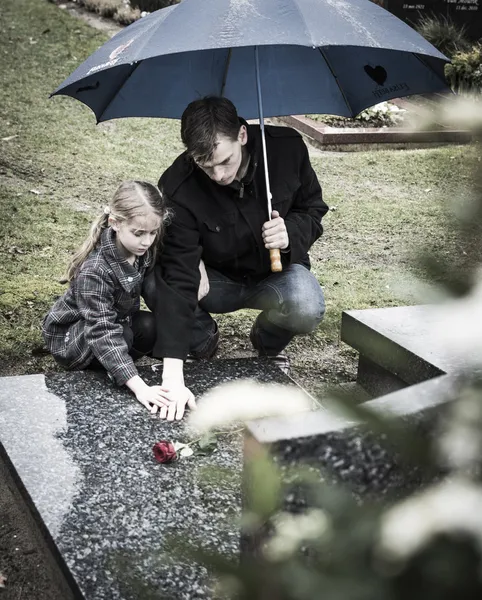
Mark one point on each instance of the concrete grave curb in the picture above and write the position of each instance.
(326, 137)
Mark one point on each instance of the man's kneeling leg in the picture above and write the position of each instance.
(298, 307)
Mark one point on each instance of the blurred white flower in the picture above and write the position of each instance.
(457, 325)
(291, 530)
(460, 441)
(455, 112)
(245, 400)
(450, 507)
(463, 112)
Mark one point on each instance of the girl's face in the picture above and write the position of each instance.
(135, 236)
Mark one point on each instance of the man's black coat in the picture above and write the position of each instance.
(222, 224)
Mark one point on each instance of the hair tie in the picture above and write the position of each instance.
(107, 210)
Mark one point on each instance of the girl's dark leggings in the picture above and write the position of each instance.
(140, 336)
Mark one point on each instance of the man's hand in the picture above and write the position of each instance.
(179, 396)
(176, 391)
(204, 283)
(274, 233)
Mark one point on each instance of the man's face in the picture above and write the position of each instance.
(227, 158)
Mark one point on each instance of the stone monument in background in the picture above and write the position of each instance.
(465, 13)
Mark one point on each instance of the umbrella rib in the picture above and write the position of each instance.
(115, 92)
(226, 69)
(337, 82)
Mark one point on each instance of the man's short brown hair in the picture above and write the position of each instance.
(205, 119)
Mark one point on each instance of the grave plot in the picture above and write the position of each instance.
(80, 450)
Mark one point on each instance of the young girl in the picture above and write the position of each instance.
(98, 320)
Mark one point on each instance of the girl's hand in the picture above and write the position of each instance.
(180, 397)
(204, 283)
(153, 397)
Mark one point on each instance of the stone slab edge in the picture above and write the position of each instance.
(332, 136)
(385, 352)
(408, 401)
(56, 564)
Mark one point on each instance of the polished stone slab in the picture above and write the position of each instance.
(81, 448)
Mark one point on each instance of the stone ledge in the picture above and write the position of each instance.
(325, 136)
(400, 339)
(403, 403)
(347, 452)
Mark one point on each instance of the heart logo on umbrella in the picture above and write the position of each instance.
(378, 73)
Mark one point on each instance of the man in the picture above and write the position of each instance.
(217, 192)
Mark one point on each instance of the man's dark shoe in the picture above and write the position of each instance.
(209, 350)
(281, 359)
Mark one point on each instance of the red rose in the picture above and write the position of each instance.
(164, 451)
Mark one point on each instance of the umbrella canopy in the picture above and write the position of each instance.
(315, 56)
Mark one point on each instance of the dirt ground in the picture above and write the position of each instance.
(24, 558)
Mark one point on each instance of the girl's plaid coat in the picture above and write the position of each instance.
(87, 321)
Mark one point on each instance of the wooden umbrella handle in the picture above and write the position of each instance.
(275, 257)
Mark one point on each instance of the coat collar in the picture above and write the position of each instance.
(128, 276)
(253, 146)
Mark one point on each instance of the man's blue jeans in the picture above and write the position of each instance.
(291, 302)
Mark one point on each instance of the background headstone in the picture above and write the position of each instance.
(466, 13)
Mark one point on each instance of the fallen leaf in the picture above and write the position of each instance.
(10, 137)
(207, 444)
(16, 250)
(428, 190)
(36, 192)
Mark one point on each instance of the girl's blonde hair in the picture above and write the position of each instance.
(131, 199)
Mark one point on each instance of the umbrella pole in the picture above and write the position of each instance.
(275, 255)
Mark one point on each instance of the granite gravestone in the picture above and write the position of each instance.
(464, 13)
(80, 450)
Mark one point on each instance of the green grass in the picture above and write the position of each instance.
(61, 168)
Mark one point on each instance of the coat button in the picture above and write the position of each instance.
(218, 229)
(129, 279)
